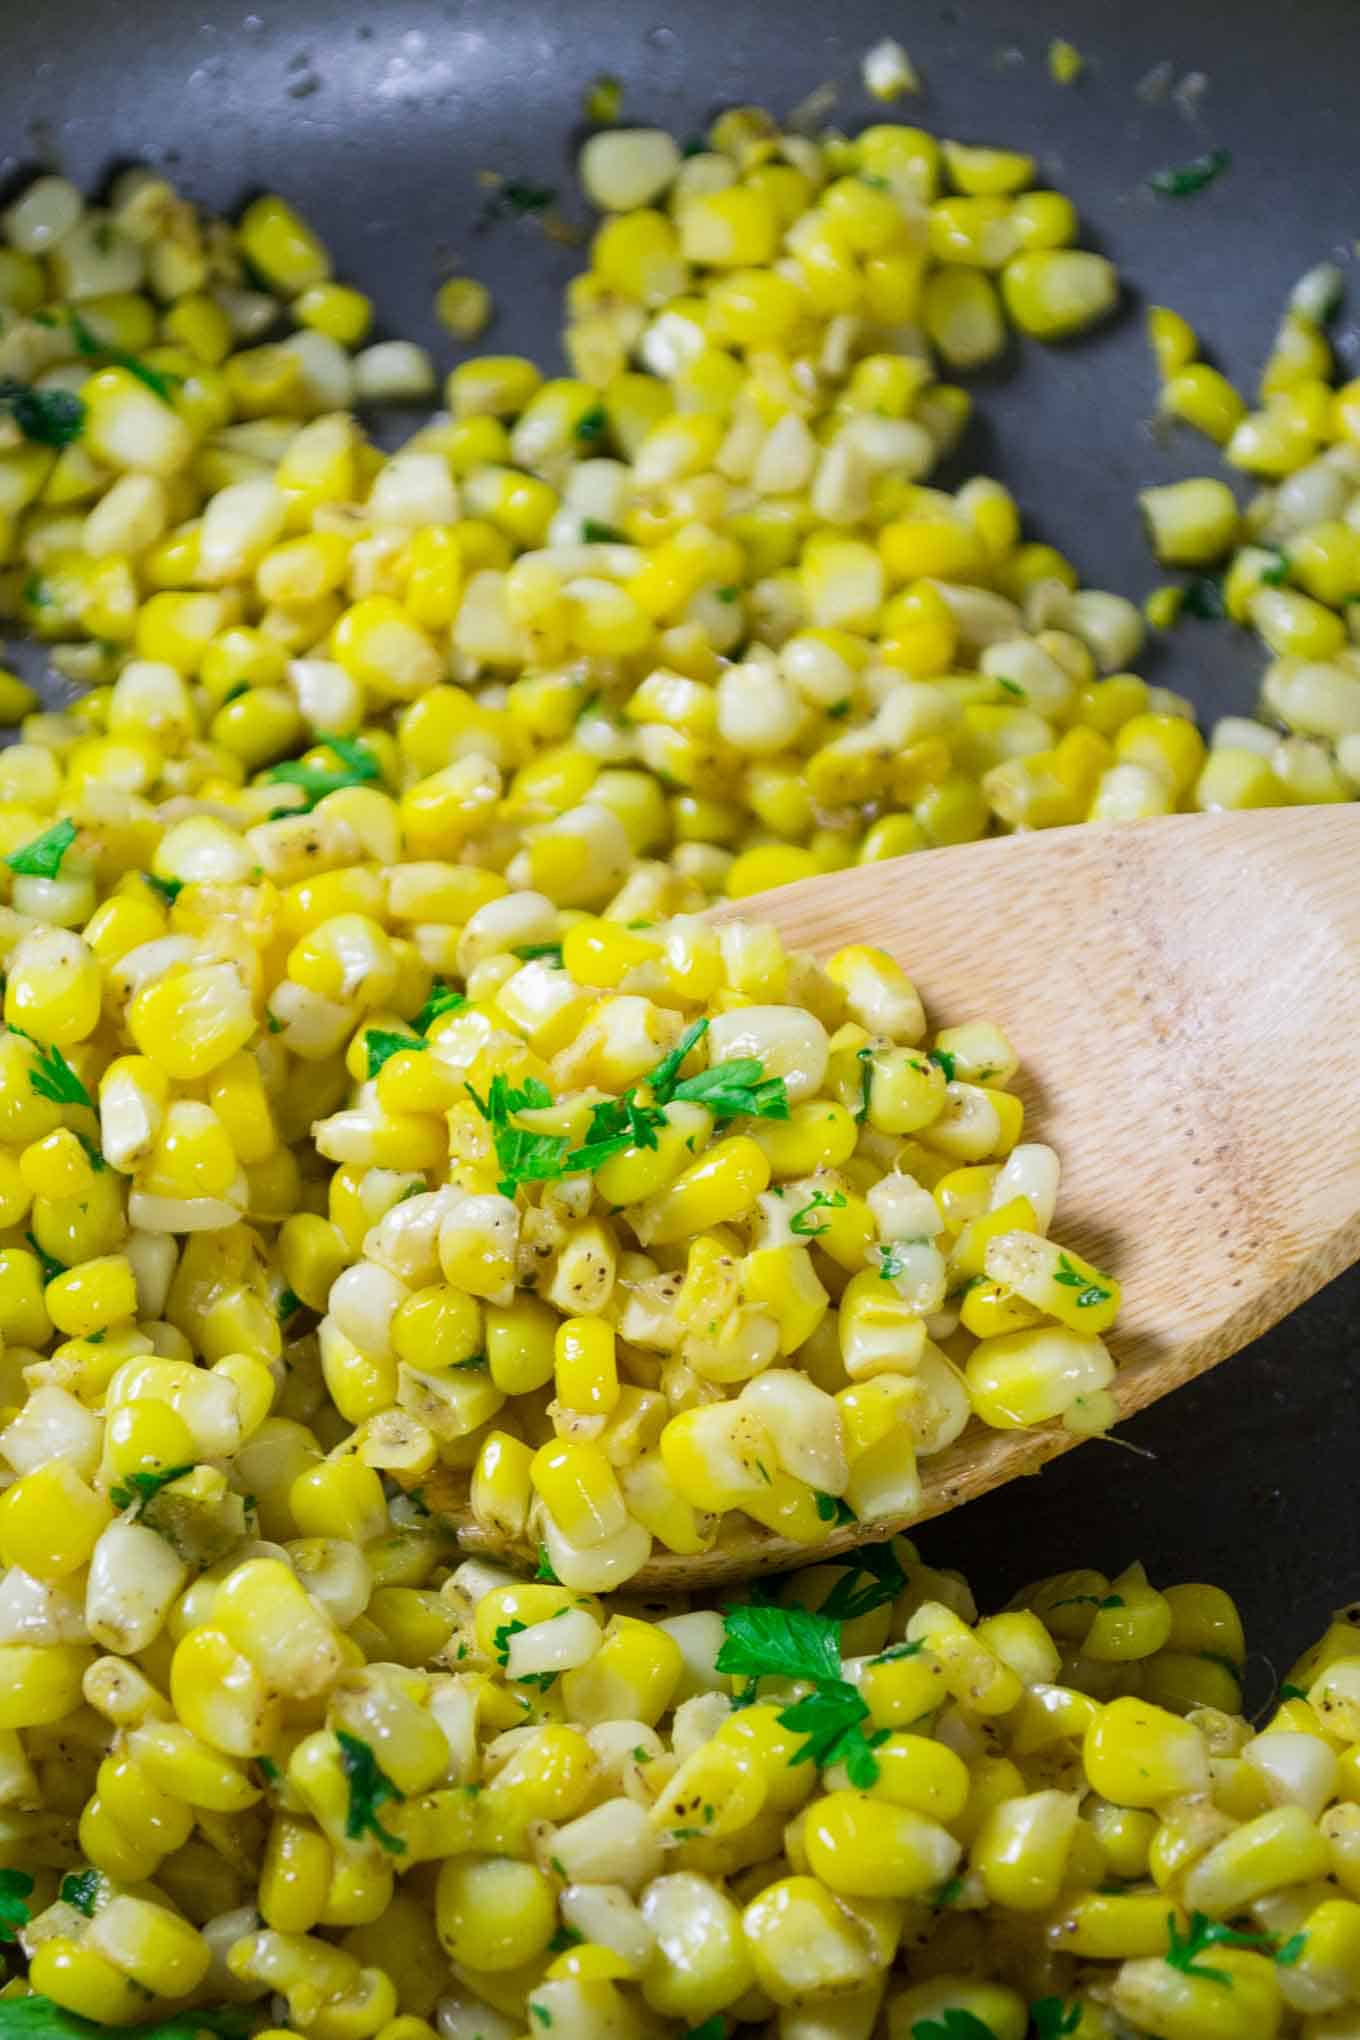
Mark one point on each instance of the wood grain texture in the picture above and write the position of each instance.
(1184, 996)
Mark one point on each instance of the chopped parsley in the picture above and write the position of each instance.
(865, 1058)
(541, 2013)
(269, 1770)
(369, 1788)
(821, 1200)
(50, 1268)
(891, 1259)
(41, 858)
(52, 1076)
(832, 1509)
(15, 1887)
(954, 2023)
(500, 1644)
(39, 2018)
(1096, 1601)
(358, 767)
(443, 999)
(946, 1894)
(795, 1643)
(287, 1304)
(1183, 180)
(1011, 687)
(944, 1060)
(1288, 1691)
(594, 533)
(564, 1938)
(529, 952)
(876, 1565)
(1052, 2019)
(1184, 1950)
(1091, 1290)
(1277, 573)
(727, 594)
(592, 423)
(80, 1889)
(168, 888)
(662, 1080)
(714, 2028)
(380, 1046)
(1204, 599)
(839, 709)
(731, 1089)
(48, 417)
(89, 344)
(523, 1157)
(137, 1489)
(544, 1570)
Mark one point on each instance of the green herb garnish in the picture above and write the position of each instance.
(443, 999)
(41, 858)
(52, 1076)
(820, 1200)
(80, 1889)
(1092, 1291)
(731, 1089)
(15, 1887)
(1184, 1950)
(48, 417)
(594, 533)
(89, 344)
(380, 1046)
(1011, 687)
(358, 767)
(1277, 573)
(876, 1565)
(1289, 1691)
(50, 1268)
(544, 1570)
(369, 1788)
(942, 1058)
(1204, 599)
(833, 1509)
(865, 1058)
(592, 423)
(137, 1489)
(39, 2018)
(1183, 180)
(287, 1304)
(529, 952)
(952, 2024)
(1096, 1601)
(794, 1643)
(1052, 2019)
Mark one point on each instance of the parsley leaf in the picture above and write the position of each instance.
(1277, 573)
(1292, 1692)
(1011, 687)
(380, 1046)
(714, 2028)
(564, 1938)
(527, 952)
(865, 1058)
(544, 1570)
(369, 1788)
(662, 1080)
(47, 417)
(1092, 1290)
(15, 1886)
(358, 767)
(52, 1076)
(946, 1894)
(595, 533)
(1204, 599)
(952, 2024)
(831, 1718)
(443, 999)
(891, 1260)
(80, 1889)
(50, 1268)
(1097, 1601)
(1183, 180)
(779, 1643)
(1184, 1950)
(39, 2018)
(591, 424)
(832, 1509)
(41, 858)
(89, 344)
(943, 1058)
(287, 1304)
(877, 1566)
(140, 1488)
(730, 1089)
(1052, 2019)
(820, 1201)
(524, 1157)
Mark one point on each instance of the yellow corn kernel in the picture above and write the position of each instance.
(1203, 397)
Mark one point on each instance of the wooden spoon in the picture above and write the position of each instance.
(1184, 996)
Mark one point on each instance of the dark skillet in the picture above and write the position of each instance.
(375, 117)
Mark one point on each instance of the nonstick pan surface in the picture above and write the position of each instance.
(376, 117)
